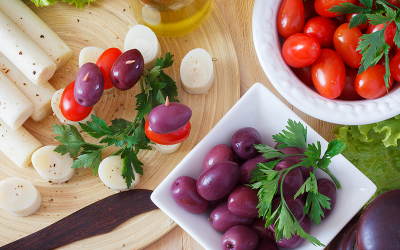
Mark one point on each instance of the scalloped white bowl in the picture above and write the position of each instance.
(262, 110)
(268, 48)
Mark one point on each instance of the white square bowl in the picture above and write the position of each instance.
(261, 109)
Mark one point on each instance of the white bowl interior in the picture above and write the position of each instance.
(261, 109)
(268, 48)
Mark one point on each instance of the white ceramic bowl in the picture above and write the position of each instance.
(268, 48)
(261, 109)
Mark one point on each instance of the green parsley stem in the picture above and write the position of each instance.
(141, 84)
(391, 5)
(337, 183)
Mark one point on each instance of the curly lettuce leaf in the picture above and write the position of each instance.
(78, 3)
(374, 151)
(42, 3)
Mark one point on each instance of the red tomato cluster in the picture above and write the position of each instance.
(322, 50)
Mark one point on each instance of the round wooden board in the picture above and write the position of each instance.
(104, 24)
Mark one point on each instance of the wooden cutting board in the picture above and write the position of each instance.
(104, 24)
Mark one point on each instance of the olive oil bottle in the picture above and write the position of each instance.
(170, 17)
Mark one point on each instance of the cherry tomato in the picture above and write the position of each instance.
(339, 20)
(346, 41)
(309, 10)
(395, 3)
(304, 74)
(290, 18)
(360, 26)
(72, 110)
(370, 83)
(390, 31)
(328, 74)
(395, 67)
(396, 48)
(300, 50)
(392, 53)
(321, 28)
(105, 63)
(322, 6)
(349, 92)
(170, 138)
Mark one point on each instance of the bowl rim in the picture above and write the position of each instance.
(266, 42)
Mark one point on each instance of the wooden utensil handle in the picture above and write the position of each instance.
(97, 218)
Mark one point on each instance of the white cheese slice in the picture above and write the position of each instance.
(53, 166)
(89, 54)
(197, 72)
(110, 173)
(19, 197)
(167, 149)
(142, 38)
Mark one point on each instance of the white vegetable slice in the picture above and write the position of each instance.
(39, 96)
(142, 38)
(18, 145)
(89, 54)
(37, 30)
(24, 53)
(55, 105)
(19, 197)
(53, 166)
(167, 149)
(197, 72)
(15, 107)
(110, 173)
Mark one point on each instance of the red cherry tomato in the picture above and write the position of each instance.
(395, 3)
(304, 74)
(346, 41)
(349, 92)
(339, 20)
(390, 31)
(360, 26)
(290, 18)
(170, 138)
(72, 110)
(328, 74)
(309, 10)
(321, 28)
(370, 83)
(300, 50)
(322, 6)
(105, 63)
(396, 48)
(392, 53)
(395, 67)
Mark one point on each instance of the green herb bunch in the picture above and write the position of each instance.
(265, 179)
(128, 137)
(373, 46)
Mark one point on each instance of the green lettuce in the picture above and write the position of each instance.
(78, 3)
(374, 150)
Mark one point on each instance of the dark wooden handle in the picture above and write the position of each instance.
(97, 218)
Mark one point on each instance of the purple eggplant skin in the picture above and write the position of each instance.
(338, 241)
(379, 224)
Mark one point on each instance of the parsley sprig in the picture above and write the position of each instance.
(373, 46)
(128, 137)
(265, 179)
